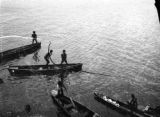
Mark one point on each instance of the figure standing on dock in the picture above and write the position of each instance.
(64, 57)
(34, 36)
(48, 55)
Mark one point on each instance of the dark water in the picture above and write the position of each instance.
(116, 38)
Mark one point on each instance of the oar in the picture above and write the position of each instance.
(89, 72)
(72, 102)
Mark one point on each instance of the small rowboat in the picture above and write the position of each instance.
(65, 104)
(153, 111)
(32, 70)
(120, 106)
(17, 52)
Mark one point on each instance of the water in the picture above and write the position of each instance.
(116, 38)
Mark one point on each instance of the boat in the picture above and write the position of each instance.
(20, 51)
(153, 111)
(33, 70)
(120, 107)
(70, 107)
(157, 4)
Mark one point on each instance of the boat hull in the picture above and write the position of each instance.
(157, 4)
(49, 70)
(120, 107)
(17, 52)
(81, 110)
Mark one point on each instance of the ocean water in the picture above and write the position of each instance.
(120, 39)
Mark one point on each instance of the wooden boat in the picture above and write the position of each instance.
(157, 4)
(31, 70)
(66, 105)
(153, 111)
(120, 106)
(17, 52)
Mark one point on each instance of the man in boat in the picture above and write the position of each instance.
(60, 87)
(133, 101)
(34, 36)
(60, 84)
(63, 74)
(64, 57)
(48, 56)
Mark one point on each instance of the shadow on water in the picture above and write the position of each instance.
(32, 113)
(18, 78)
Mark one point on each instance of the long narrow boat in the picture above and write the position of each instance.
(32, 70)
(120, 106)
(157, 4)
(17, 52)
(66, 105)
(153, 111)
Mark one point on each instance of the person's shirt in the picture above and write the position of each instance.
(64, 56)
(34, 35)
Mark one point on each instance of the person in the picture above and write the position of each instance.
(63, 74)
(27, 108)
(34, 36)
(48, 56)
(60, 87)
(64, 57)
(133, 101)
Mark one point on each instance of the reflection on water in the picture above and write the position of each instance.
(36, 56)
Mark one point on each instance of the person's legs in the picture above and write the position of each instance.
(66, 61)
(32, 41)
(36, 40)
(62, 61)
(62, 92)
(47, 61)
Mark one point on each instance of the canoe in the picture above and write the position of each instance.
(32, 70)
(153, 111)
(20, 51)
(65, 104)
(118, 106)
(157, 4)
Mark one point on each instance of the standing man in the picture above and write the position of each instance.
(34, 36)
(48, 55)
(64, 57)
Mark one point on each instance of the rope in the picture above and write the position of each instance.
(95, 73)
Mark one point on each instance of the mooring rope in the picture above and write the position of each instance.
(89, 72)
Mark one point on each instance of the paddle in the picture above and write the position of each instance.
(72, 102)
